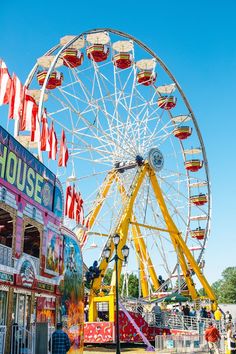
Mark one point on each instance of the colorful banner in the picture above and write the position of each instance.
(21, 169)
(53, 252)
(58, 201)
(73, 292)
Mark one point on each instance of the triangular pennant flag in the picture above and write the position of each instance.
(53, 143)
(5, 84)
(30, 111)
(45, 134)
(63, 153)
(16, 99)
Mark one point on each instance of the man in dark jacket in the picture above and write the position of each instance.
(60, 341)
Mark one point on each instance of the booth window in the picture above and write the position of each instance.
(31, 240)
(6, 228)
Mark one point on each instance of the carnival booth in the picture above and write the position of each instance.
(38, 256)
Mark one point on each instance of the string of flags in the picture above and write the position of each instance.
(74, 205)
(24, 109)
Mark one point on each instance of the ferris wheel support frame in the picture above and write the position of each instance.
(141, 250)
(183, 253)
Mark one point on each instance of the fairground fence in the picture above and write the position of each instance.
(177, 321)
(2, 339)
(184, 344)
(22, 340)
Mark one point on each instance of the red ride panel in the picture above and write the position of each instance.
(99, 332)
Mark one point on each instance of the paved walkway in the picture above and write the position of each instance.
(100, 350)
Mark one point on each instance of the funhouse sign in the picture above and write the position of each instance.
(21, 169)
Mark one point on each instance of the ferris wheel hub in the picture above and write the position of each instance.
(156, 159)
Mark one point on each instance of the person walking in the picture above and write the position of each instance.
(156, 310)
(228, 317)
(231, 340)
(60, 343)
(212, 337)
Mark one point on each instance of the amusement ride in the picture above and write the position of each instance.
(137, 156)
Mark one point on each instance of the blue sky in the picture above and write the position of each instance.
(196, 40)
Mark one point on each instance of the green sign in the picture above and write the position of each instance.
(44, 286)
(6, 277)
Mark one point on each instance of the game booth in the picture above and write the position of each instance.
(41, 267)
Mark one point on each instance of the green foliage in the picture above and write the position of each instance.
(133, 283)
(225, 288)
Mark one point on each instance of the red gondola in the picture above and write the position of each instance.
(146, 77)
(182, 132)
(198, 233)
(200, 199)
(72, 57)
(193, 165)
(167, 102)
(55, 79)
(122, 60)
(98, 52)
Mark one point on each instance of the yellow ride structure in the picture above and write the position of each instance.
(128, 220)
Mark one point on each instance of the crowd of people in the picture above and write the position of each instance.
(222, 322)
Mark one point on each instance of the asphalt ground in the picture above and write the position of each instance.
(112, 349)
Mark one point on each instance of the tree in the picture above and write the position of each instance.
(133, 287)
(227, 287)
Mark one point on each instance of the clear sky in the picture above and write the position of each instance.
(195, 39)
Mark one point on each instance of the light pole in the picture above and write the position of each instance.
(116, 258)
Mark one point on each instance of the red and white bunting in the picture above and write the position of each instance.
(68, 200)
(5, 84)
(84, 237)
(53, 143)
(45, 146)
(71, 211)
(35, 132)
(16, 99)
(63, 153)
(79, 209)
(30, 111)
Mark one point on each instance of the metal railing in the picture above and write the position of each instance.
(2, 339)
(22, 340)
(177, 321)
(5, 255)
(184, 344)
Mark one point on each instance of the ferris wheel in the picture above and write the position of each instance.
(126, 119)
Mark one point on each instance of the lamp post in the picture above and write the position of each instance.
(116, 258)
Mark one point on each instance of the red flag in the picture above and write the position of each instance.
(71, 212)
(45, 134)
(5, 84)
(80, 210)
(16, 99)
(85, 234)
(63, 153)
(53, 143)
(30, 111)
(68, 199)
(35, 132)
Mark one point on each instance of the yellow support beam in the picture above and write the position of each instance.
(123, 227)
(101, 197)
(141, 249)
(143, 277)
(180, 246)
(151, 227)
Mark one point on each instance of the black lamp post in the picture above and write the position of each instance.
(106, 254)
